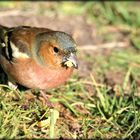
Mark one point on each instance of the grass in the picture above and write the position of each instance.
(102, 104)
(104, 112)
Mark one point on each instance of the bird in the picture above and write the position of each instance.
(37, 57)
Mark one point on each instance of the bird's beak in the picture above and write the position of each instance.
(70, 61)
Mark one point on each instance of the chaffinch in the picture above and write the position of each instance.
(37, 58)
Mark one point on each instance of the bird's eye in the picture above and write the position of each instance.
(56, 50)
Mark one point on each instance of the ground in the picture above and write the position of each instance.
(101, 99)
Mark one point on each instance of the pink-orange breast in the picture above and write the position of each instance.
(31, 75)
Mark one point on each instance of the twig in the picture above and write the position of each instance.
(15, 13)
(104, 46)
(101, 97)
(53, 119)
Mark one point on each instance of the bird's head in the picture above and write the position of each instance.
(55, 48)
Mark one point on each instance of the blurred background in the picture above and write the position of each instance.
(107, 36)
(89, 22)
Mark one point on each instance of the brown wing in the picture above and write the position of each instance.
(19, 39)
